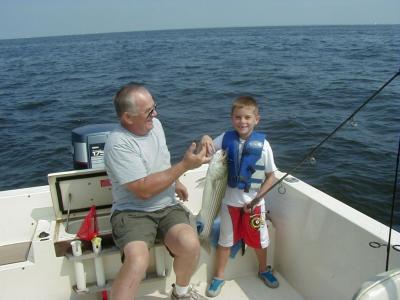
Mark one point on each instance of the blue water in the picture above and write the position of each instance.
(307, 80)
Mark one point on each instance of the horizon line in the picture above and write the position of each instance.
(194, 28)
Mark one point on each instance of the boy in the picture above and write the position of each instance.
(251, 170)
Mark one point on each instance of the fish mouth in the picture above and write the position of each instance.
(221, 154)
(224, 154)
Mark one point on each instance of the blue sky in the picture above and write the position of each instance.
(23, 18)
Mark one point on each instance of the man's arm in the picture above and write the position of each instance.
(155, 183)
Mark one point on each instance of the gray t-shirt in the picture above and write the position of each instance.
(128, 157)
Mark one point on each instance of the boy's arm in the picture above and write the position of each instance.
(270, 179)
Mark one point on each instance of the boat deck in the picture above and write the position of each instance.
(244, 288)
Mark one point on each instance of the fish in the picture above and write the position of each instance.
(215, 183)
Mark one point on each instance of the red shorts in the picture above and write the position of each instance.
(237, 224)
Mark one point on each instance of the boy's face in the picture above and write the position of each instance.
(244, 119)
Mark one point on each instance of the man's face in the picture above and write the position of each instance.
(142, 122)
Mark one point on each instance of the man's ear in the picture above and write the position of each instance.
(126, 118)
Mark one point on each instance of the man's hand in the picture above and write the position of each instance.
(181, 191)
(191, 160)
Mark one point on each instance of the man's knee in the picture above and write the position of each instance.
(188, 242)
(181, 236)
(136, 256)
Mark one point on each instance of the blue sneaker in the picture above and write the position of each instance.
(269, 279)
(215, 287)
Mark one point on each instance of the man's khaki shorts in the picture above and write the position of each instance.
(129, 226)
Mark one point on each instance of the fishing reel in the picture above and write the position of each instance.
(256, 221)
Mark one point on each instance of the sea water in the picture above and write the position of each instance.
(306, 79)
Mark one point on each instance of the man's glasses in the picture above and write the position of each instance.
(152, 110)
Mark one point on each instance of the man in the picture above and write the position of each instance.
(144, 184)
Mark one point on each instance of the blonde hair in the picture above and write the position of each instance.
(245, 101)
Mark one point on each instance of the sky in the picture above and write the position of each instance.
(36, 18)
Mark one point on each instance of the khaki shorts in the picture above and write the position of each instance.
(129, 226)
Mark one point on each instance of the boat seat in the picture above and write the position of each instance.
(384, 286)
(14, 253)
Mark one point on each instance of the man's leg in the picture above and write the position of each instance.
(183, 242)
(132, 271)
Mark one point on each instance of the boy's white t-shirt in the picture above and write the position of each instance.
(235, 196)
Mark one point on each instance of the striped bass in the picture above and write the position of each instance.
(213, 193)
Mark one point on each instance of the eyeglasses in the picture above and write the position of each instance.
(150, 113)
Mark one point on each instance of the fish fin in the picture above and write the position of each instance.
(201, 182)
(206, 244)
(235, 248)
(199, 225)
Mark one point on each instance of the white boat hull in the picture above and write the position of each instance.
(320, 250)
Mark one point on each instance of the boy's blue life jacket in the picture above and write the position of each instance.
(248, 173)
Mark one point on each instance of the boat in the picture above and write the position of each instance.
(320, 247)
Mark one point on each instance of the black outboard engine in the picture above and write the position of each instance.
(88, 145)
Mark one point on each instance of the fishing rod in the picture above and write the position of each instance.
(392, 211)
(378, 244)
(309, 155)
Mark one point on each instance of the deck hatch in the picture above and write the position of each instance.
(76, 191)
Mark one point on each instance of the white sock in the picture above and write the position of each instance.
(181, 290)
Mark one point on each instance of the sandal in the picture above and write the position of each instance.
(215, 287)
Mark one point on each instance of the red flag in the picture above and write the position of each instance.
(89, 228)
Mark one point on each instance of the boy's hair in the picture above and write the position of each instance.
(245, 101)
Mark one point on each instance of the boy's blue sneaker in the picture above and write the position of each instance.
(215, 287)
(268, 278)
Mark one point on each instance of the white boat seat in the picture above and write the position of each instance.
(384, 286)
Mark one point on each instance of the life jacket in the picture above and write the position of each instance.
(248, 173)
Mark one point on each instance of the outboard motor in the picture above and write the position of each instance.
(88, 145)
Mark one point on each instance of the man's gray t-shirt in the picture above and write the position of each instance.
(128, 157)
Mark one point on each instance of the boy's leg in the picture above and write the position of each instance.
(221, 261)
(229, 233)
(262, 259)
(256, 236)
(226, 238)
(218, 281)
(264, 272)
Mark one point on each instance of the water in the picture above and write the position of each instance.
(307, 80)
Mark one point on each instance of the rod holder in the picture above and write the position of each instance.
(80, 275)
(98, 262)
